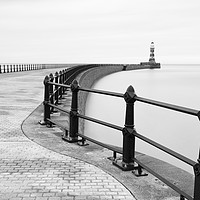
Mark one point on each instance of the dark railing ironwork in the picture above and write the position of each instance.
(8, 68)
(63, 81)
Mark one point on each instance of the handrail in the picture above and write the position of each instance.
(115, 94)
(129, 133)
(148, 101)
(113, 148)
(59, 108)
(169, 106)
(59, 84)
(100, 122)
(165, 149)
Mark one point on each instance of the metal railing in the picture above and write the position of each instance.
(8, 68)
(54, 90)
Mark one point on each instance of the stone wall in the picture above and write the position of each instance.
(89, 77)
(86, 80)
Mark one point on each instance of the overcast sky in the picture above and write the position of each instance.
(99, 31)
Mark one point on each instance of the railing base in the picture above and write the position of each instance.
(124, 166)
(47, 123)
(82, 142)
(138, 171)
(69, 139)
(42, 122)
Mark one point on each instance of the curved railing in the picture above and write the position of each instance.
(54, 90)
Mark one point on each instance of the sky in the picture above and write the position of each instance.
(99, 31)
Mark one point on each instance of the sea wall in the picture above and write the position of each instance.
(87, 78)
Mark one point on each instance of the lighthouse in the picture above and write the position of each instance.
(152, 48)
(152, 63)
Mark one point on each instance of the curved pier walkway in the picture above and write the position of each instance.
(29, 171)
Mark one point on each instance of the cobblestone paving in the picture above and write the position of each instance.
(31, 172)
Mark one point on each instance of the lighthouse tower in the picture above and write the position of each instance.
(152, 59)
(152, 63)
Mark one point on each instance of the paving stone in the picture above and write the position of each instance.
(29, 171)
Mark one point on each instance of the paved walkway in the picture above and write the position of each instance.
(29, 171)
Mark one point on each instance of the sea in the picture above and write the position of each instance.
(177, 84)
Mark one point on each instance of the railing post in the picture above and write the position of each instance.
(4, 68)
(45, 102)
(60, 81)
(63, 81)
(65, 75)
(124, 67)
(73, 121)
(127, 162)
(197, 180)
(0, 69)
(51, 78)
(56, 88)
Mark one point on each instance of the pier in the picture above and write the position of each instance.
(37, 164)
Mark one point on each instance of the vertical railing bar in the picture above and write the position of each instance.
(56, 88)
(128, 156)
(45, 102)
(73, 118)
(51, 78)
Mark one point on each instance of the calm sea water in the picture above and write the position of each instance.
(176, 84)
